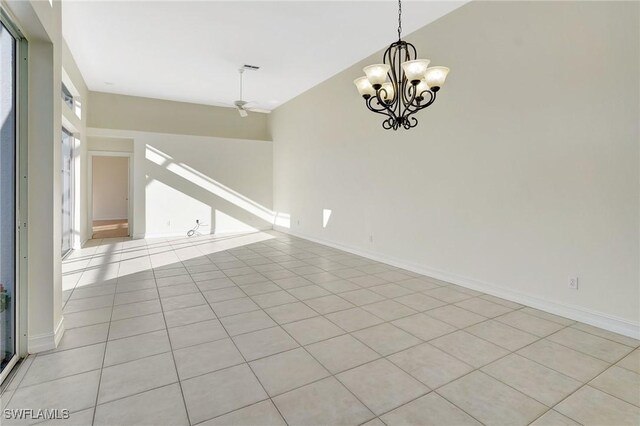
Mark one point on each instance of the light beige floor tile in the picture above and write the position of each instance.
(368, 281)
(221, 392)
(386, 338)
(419, 301)
(177, 290)
(530, 323)
(326, 402)
(158, 406)
(182, 301)
(502, 335)
(260, 288)
(83, 336)
(391, 290)
(65, 363)
(429, 410)
(291, 282)
(483, 307)
(590, 406)
(287, 370)
(88, 304)
(547, 316)
(564, 360)
(77, 418)
(136, 296)
(448, 294)
(276, 298)
(490, 401)
(537, 381)
(194, 334)
(74, 393)
(619, 382)
(631, 361)
(589, 344)
(361, 297)
(389, 310)
(381, 386)
(205, 358)
(503, 302)
(260, 414)
(341, 353)
(455, 316)
(430, 365)
(233, 307)
(339, 286)
(84, 318)
(215, 284)
(291, 312)
(312, 330)
(308, 292)
(188, 316)
(327, 304)
(223, 294)
(247, 322)
(136, 309)
(136, 347)
(353, 319)
(423, 326)
(418, 284)
(261, 343)
(137, 376)
(136, 325)
(619, 338)
(469, 348)
(553, 418)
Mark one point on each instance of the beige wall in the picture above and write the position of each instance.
(190, 162)
(110, 144)
(525, 172)
(110, 182)
(109, 111)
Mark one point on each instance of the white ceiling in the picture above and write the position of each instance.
(191, 51)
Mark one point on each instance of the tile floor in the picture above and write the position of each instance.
(265, 329)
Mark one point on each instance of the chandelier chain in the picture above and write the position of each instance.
(399, 19)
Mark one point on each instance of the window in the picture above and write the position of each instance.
(67, 191)
(8, 144)
(67, 96)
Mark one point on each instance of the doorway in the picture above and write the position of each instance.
(110, 196)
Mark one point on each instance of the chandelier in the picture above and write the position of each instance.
(402, 85)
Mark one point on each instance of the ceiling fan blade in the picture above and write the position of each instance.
(242, 112)
(260, 110)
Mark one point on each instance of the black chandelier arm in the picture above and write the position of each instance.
(420, 107)
(384, 104)
(384, 110)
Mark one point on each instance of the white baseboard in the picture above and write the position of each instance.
(184, 234)
(577, 313)
(47, 341)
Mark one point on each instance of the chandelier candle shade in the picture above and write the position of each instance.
(402, 85)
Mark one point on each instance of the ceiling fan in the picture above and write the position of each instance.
(243, 106)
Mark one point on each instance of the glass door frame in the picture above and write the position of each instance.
(20, 196)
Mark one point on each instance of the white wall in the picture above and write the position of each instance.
(41, 24)
(110, 187)
(523, 173)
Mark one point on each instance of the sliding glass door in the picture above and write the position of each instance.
(8, 223)
(67, 191)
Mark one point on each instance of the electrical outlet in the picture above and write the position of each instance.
(573, 283)
(298, 222)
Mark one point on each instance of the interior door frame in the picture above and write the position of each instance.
(129, 156)
(20, 195)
